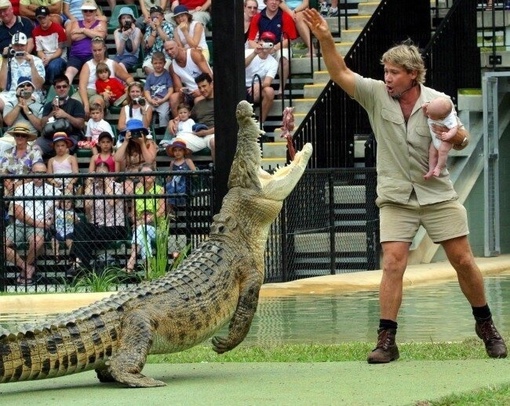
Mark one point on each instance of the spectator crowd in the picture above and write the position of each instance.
(60, 84)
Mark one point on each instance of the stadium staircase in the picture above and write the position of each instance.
(307, 80)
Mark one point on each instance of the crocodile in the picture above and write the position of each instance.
(218, 283)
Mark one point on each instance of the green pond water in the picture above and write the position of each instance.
(430, 313)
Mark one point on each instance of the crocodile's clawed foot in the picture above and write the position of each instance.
(137, 380)
(221, 344)
(104, 375)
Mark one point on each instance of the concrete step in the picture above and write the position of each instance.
(321, 76)
(368, 7)
(320, 242)
(470, 100)
(273, 163)
(359, 21)
(313, 91)
(277, 149)
(300, 106)
(351, 35)
(348, 194)
(343, 47)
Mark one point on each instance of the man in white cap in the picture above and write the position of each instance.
(19, 63)
(11, 24)
(27, 9)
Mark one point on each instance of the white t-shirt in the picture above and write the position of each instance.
(261, 67)
(94, 128)
(37, 209)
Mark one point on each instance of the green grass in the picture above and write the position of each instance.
(353, 351)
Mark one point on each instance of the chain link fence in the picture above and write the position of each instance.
(132, 225)
(136, 224)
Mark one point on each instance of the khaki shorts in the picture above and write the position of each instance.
(443, 221)
(17, 233)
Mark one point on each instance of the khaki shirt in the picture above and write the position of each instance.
(402, 148)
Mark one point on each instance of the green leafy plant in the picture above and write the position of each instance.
(104, 281)
(157, 265)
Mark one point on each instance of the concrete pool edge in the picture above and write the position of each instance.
(416, 275)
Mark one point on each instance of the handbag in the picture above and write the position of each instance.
(58, 125)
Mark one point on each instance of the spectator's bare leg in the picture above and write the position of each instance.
(175, 99)
(131, 263)
(267, 101)
(71, 72)
(213, 148)
(304, 33)
(35, 247)
(283, 73)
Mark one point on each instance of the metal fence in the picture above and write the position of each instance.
(328, 225)
(51, 238)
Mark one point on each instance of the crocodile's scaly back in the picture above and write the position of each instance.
(218, 283)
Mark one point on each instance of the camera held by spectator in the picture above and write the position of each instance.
(140, 101)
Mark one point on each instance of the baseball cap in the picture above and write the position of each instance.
(156, 9)
(42, 11)
(24, 79)
(5, 4)
(89, 5)
(19, 38)
(104, 134)
(268, 36)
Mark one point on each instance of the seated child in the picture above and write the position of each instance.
(104, 154)
(95, 126)
(440, 112)
(65, 218)
(112, 89)
(63, 163)
(158, 88)
(177, 184)
(184, 126)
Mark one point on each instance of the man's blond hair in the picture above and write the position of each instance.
(408, 57)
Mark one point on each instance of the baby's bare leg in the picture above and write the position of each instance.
(433, 156)
(442, 156)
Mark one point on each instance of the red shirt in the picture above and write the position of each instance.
(281, 24)
(114, 85)
(192, 4)
(15, 7)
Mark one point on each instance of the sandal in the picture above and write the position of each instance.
(128, 270)
(74, 269)
(21, 281)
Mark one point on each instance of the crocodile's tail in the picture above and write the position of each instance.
(58, 349)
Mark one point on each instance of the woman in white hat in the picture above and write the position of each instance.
(82, 31)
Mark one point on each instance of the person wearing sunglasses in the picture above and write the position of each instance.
(33, 218)
(25, 109)
(87, 92)
(20, 158)
(251, 8)
(18, 62)
(82, 32)
(62, 107)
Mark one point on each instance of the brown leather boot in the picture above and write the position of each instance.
(386, 350)
(494, 343)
